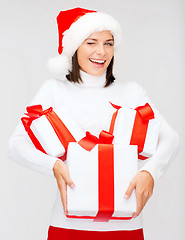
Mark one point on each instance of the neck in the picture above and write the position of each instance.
(91, 80)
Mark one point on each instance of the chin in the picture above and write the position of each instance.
(97, 73)
(93, 72)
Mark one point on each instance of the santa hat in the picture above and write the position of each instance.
(74, 26)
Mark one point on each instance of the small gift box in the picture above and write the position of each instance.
(137, 127)
(51, 131)
(101, 174)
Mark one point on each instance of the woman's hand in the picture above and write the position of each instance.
(143, 183)
(61, 173)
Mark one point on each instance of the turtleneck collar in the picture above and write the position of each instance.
(91, 80)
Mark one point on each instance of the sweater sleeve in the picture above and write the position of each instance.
(168, 143)
(21, 149)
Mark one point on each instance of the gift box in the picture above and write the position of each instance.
(51, 130)
(137, 127)
(101, 168)
(101, 175)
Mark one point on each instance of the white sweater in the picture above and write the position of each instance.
(88, 103)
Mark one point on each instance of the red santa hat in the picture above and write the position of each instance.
(74, 26)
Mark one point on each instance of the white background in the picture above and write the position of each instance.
(152, 54)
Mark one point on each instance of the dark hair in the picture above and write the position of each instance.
(74, 75)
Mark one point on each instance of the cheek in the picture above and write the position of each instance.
(110, 56)
(111, 53)
(82, 54)
(82, 58)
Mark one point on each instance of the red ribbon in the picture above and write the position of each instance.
(105, 183)
(89, 141)
(143, 115)
(105, 172)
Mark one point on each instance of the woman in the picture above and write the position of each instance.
(87, 42)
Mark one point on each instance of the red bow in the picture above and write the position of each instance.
(36, 111)
(145, 112)
(89, 141)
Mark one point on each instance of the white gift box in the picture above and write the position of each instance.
(47, 136)
(83, 200)
(124, 132)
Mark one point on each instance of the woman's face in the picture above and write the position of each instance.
(95, 53)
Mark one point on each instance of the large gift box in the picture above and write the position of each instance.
(51, 130)
(137, 127)
(101, 172)
(101, 177)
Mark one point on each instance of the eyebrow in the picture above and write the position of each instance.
(97, 40)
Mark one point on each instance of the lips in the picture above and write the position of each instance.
(97, 62)
(101, 61)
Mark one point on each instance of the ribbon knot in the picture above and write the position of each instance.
(145, 112)
(106, 137)
(90, 141)
(47, 111)
(36, 111)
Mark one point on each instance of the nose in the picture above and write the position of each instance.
(100, 49)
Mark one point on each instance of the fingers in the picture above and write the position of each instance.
(129, 190)
(143, 184)
(61, 169)
(142, 196)
(139, 199)
(63, 193)
(61, 173)
(66, 176)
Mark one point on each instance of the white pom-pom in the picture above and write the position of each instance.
(59, 65)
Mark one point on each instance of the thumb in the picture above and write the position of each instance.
(70, 183)
(129, 190)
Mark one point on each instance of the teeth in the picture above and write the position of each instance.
(97, 61)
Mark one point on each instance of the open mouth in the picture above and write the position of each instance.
(98, 63)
